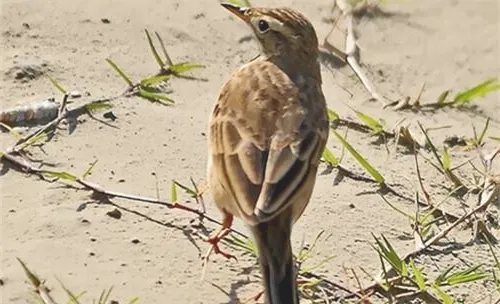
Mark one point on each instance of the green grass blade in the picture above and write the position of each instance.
(239, 3)
(395, 257)
(153, 50)
(106, 297)
(408, 216)
(310, 269)
(101, 296)
(98, 106)
(443, 275)
(120, 72)
(495, 257)
(11, 130)
(480, 90)
(429, 142)
(446, 159)
(89, 169)
(173, 192)
(134, 300)
(184, 67)
(195, 187)
(186, 189)
(446, 298)
(333, 116)
(309, 284)
(57, 85)
(377, 280)
(495, 138)
(371, 122)
(73, 299)
(483, 133)
(305, 252)
(384, 271)
(155, 97)
(387, 253)
(154, 80)
(496, 279)
(419, 277)
(363, 162)
(78, 296)
(330, 158)
(461, 279)
(442, 97)
(35, 139)
(470, 274)
(33, 278)
(60, 175)
(164, 49)
(241, 244)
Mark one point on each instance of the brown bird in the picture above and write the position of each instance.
(267, 132)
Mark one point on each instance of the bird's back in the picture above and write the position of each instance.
(259, 97)
(260, 127)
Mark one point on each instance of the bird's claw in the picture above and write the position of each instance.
(214, 241)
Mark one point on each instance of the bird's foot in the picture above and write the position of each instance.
(214, 241)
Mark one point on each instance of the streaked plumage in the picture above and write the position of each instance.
(266, 135)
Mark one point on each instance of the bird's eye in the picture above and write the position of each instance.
(263, 26)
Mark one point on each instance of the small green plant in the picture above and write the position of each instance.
(411, 277)
(57, 85)
(42, 293)
(194, 191)
(478, 140)
(467, 96)
(167, 67)
(375, 125)
(443, 162)
(329, 158)
(360, 159)
(480, 90)
(147, 87)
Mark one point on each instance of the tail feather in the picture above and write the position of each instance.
(276, 260)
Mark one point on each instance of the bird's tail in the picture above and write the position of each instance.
(276, 260)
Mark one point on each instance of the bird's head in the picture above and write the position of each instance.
(280, 31)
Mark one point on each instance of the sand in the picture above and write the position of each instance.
(445, 44)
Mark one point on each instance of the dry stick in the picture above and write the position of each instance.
(485, 201)
(351, 51)
(43, 292)
(111, 194)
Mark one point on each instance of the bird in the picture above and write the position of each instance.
(266, 134)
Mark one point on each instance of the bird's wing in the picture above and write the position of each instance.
(263, 140)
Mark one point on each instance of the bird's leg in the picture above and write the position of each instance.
(227, 221)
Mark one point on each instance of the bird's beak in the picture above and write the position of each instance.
(238, 11)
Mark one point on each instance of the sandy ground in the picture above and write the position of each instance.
(447, 44)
